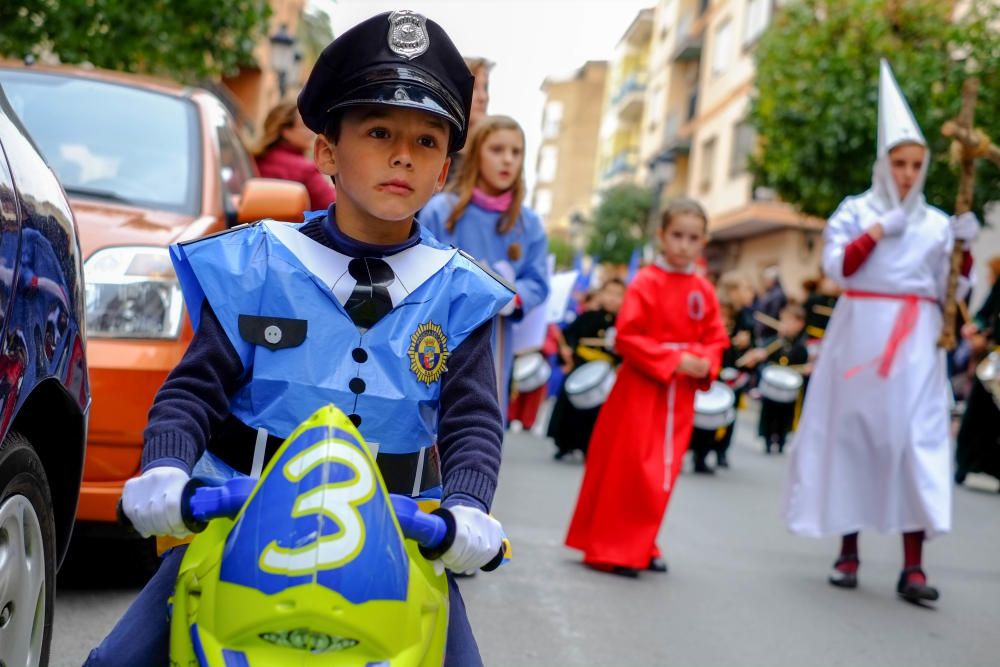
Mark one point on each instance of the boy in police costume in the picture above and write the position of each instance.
(356, 306)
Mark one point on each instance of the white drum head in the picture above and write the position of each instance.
(719, 399)
(587, 376)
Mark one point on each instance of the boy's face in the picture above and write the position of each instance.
(682, 240)
(387, 163)
(612, 296)
(791, 325)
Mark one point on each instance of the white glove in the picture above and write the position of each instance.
(965, 227)
(894, 222)
(152, 501)
(478, 538)
(509, 307)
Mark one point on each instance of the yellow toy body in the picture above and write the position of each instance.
(313, 571)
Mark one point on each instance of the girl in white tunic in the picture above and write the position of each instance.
(872, 448)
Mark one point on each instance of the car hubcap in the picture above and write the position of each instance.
(22, 584)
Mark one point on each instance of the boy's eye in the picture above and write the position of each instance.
(428, 141)
(378, 132)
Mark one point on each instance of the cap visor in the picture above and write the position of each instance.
(404, 94)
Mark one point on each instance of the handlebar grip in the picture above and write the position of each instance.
(191, 523)
(497, 560)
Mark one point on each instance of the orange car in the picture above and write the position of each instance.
(145, 163)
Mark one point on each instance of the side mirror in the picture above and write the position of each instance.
(272, 198)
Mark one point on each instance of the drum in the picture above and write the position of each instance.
(780, 384)
(988, 372)
(715, 408)
(589, 385)
(531, 371)
(734, 377)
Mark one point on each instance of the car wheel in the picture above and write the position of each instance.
(27, 556)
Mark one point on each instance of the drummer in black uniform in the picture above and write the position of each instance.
(570, 427)
(787, 349)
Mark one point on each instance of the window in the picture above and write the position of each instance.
(707, 164)
(543, 202)
(758, 15)
(744, 142)
(722, 47)
(548, 158)
(657, 110)
(553, 119)
(233, 157)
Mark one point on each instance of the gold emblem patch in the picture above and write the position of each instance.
(428, 352)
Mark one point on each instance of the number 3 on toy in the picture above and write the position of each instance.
(338, 501)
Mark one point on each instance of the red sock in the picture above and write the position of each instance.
(913, 544)
(848, 561)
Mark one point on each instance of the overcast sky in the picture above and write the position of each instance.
(527, 39)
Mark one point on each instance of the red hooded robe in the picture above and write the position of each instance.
(645, 426)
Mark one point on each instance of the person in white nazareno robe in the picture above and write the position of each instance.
(872, 448)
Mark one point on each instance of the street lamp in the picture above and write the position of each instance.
(282, 56)
(576, 224)
(662, 169)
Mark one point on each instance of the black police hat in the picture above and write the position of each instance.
(397, 58)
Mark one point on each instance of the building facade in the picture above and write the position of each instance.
(624, 107)
(568, 151)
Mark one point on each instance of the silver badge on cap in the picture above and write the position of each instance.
(408, 33)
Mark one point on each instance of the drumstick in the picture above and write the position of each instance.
(820, 309)
(593, 342)
(775, 344)
(766, 320)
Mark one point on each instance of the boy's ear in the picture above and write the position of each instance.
(324, 155)
(443, 176)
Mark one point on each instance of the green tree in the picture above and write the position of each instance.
(815, 108)
(186, 40)
(563, 251)
(619, 224)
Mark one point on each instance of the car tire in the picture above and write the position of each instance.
(27, 556)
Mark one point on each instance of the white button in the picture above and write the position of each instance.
(272, 335)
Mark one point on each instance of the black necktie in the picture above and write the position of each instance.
(370, 301)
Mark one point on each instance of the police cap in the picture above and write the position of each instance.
(397, 58)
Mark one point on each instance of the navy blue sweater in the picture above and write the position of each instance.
(194, 400)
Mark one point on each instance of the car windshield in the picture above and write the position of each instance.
(112, 142)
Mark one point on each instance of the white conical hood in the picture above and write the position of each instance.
(896, 126)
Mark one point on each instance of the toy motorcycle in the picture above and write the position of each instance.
(309, 565)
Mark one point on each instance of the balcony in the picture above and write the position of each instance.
(629, 99)
(689, 42)
(621, 169)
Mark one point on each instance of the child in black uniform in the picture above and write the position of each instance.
(788, 348)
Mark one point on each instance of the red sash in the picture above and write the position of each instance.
(905, 322)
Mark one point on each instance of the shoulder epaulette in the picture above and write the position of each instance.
(237, 228)
(488, 269)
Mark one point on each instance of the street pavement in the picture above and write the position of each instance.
(740, 591)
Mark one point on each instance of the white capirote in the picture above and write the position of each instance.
(872, 447)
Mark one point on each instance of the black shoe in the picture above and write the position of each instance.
(621, 571)
(913, 591)
(842, 579)
(721, 461)
(558, 456)
(767, 447)
(702, 468)
(781, 446)
(657, 564)
(960, 476)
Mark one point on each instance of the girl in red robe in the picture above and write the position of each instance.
(671, 338)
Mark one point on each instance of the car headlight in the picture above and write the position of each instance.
(132, 292)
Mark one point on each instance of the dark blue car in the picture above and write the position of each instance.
(44, 391)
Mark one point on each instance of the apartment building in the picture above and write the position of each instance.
(568, 152)
(624, 107)
(694, 138)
